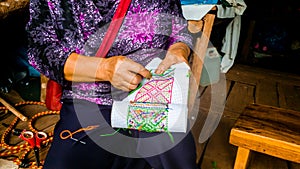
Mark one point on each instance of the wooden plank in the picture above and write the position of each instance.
(229, 85)
(289, 96)
(45, 121)
(266, 93)
(199, 115)
(250, 75)
(229, 114)
(266, 145)
(285, 92)
(213, 95)
(203, 108)
(7, 119)
(293, 165)
(216, 109)
(237, 74)
(210, 111)
(269, 130)
(8, 7)
(12, 97)
(218, 149)
(240, 96)
(263, 161)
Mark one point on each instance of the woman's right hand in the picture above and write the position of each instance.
(123, 73)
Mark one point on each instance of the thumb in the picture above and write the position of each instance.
(163, 66)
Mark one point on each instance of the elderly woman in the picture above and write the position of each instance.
(64, 36)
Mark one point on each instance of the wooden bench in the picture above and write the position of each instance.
(266, 129)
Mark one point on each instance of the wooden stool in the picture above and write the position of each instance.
(269, 130)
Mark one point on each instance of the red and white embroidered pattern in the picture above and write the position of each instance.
(157, 90)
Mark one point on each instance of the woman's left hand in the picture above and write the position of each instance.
(177, 53)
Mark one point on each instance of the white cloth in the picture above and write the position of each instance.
(238, 8)
(230, 44)
(195, 12)
(231, 39)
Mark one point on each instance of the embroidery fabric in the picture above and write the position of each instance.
(150, 117)
(149, 110)
(158, 104)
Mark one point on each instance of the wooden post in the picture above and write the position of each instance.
(198, 53)
(198, 56)
(13, 110)
(241, 160)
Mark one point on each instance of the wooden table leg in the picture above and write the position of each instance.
(241, 160)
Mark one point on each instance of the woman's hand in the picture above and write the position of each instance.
(124, 73)
(121, 72)
(177, 53)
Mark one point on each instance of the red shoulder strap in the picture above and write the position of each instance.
(113, 28)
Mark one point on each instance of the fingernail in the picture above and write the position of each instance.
(159, 71)
(145, 73)
(149, 76)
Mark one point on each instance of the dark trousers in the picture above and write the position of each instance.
(101, 148)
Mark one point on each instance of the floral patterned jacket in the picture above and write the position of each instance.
(58, 27)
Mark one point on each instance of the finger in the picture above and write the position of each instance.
(129, 80)
(145, 73)
(139, 69)
(132, 87)
(183, 59)
(134, 82)
(136, 79)
(125, 86)
(122, 86)
(163, 66)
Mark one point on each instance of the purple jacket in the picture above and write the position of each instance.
(58, 27)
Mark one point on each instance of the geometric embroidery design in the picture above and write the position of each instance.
(145, 117)
(149, 109)
(158, 89)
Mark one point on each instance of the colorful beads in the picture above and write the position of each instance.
(24, 149)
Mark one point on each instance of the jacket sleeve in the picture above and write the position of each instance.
(47, 48)
(180, 32)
